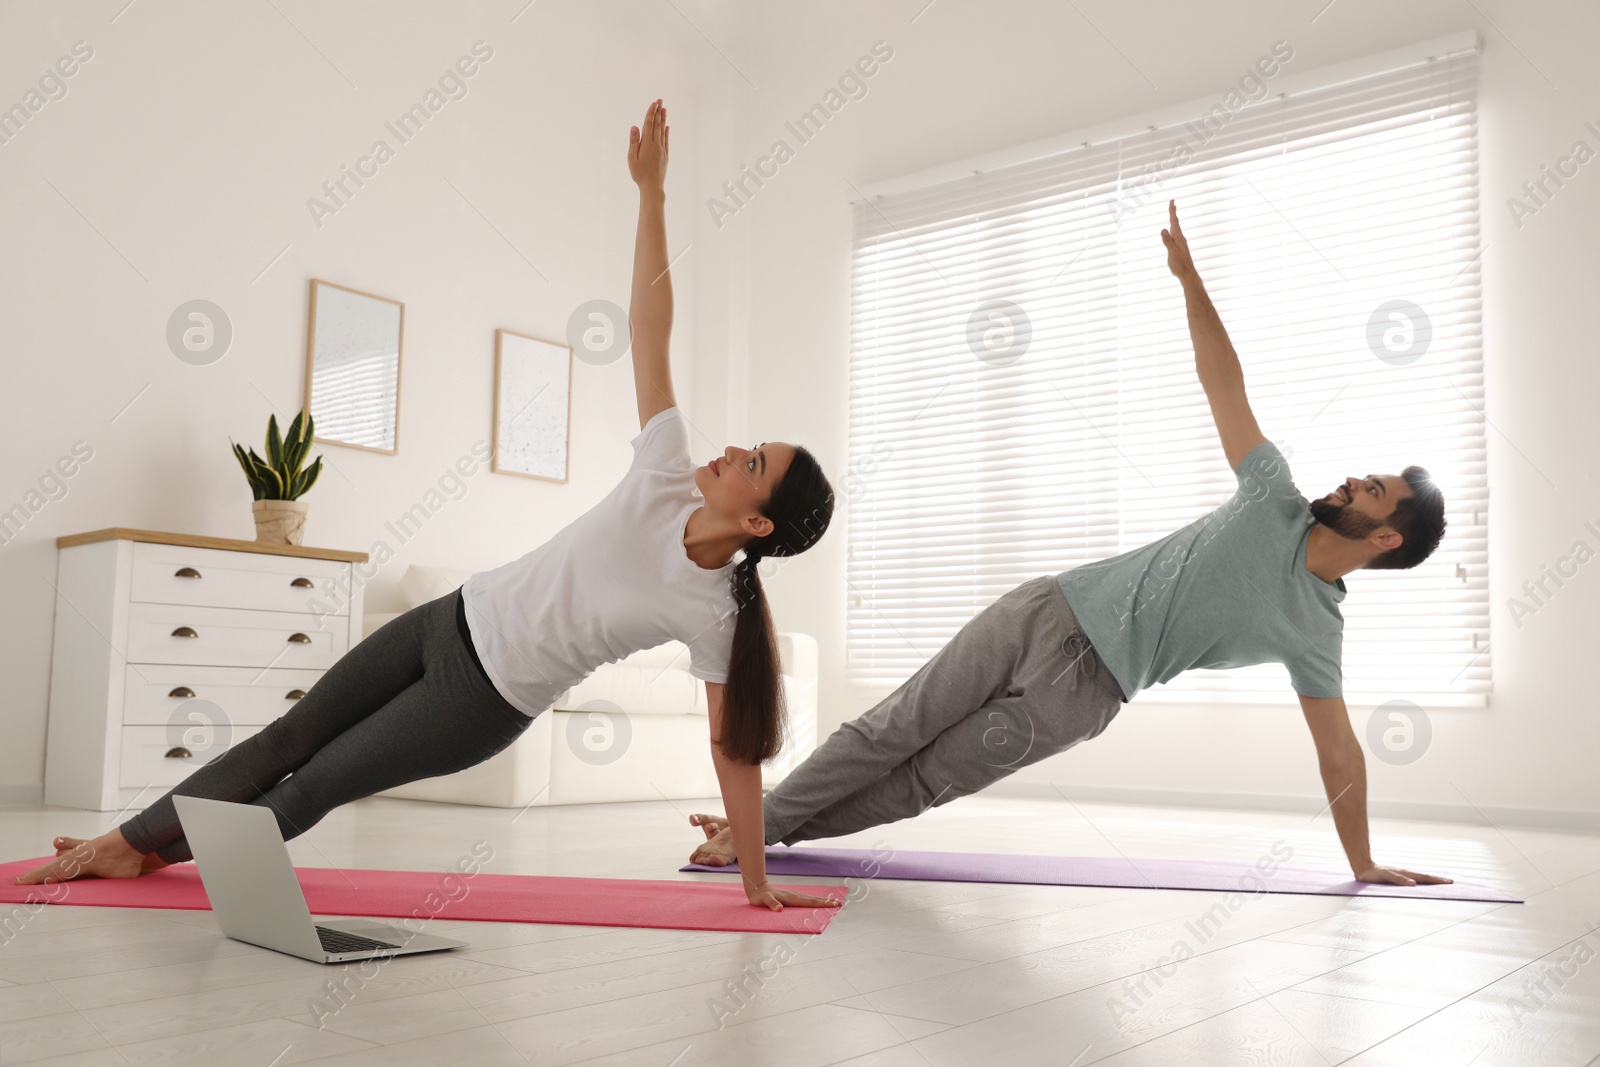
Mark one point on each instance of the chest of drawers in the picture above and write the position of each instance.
(169, 648)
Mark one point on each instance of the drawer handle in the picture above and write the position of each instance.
(294, 694)
(299, 639)
(184, 631)
(186, 572)
(301, 583)
(178, 753)
(181, 691)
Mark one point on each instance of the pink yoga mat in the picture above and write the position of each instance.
(665, 905)
(1218, 875)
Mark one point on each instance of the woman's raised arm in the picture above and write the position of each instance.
(650, 309)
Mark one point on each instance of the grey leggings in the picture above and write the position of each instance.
(409, 702)
(1016, 684)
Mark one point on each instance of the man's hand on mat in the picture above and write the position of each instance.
(1178, 260)
(1399, 876)
(765, 896)
(647, 148)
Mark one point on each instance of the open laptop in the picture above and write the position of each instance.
(247, 873)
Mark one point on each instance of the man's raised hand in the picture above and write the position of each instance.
(647, 148)
(1178, 260)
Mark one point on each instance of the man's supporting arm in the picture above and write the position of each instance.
(1344, 779)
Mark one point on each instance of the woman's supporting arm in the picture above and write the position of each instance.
(741, 798)
(650, 309)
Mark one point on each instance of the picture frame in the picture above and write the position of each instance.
(532, 407)
(354, 346)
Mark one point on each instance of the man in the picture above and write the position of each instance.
(1050, 663)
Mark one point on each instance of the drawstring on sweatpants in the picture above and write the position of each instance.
(1081, 654)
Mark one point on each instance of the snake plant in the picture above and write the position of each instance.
(279, 476)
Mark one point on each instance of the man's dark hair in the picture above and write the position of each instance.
(1418, 519)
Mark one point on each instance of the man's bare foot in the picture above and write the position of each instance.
(718, 849)
(107, 856)
(711, 824)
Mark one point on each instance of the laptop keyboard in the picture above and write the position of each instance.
(337, 941)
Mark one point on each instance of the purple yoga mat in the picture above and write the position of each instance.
(1218, 875)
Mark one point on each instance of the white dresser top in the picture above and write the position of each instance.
(121, 533)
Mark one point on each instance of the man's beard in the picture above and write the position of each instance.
(1344, 520)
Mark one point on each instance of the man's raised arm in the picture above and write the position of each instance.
(1215, 361)
(1344, 778)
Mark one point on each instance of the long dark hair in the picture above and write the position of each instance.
(754, 718)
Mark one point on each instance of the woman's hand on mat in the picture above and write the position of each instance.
(1178, 259)
(766, 896)
(647, 149)
(1400, 876)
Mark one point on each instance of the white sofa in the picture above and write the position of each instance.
(632, 730)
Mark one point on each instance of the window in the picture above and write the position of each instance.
(1023, 396)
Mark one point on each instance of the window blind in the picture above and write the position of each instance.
(1023, 395)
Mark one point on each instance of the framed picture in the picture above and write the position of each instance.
(353, 342)
(532, 406)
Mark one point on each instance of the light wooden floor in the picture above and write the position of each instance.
(911, 974)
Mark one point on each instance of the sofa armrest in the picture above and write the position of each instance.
(371, 621)
(797, 653)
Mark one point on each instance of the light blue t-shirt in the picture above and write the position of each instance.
(1229, 590)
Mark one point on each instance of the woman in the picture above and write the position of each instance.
(450, 683)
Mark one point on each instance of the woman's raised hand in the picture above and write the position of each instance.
(647, 148)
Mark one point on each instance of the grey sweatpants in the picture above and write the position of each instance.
(1016, 684)
(408, 702)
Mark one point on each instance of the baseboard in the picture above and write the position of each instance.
(1538, 818)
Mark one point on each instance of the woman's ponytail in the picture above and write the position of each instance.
(754, 733)
(754, 721)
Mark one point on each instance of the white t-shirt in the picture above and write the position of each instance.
(613, 582)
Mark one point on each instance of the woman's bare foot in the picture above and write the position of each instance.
(152, 862)
(107, 856)
(711, 824)
(718, 849)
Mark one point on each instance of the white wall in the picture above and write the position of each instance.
(969, 78)
(178, 166)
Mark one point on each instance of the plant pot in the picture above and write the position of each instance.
(280, 522)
